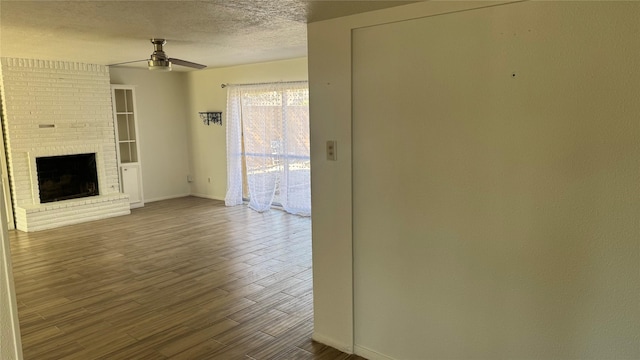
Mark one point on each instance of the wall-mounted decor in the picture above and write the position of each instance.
(209, 117)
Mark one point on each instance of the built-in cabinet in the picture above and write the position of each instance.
(128, 145)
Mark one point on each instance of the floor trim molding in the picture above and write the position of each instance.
(370, 354)
(166, 198)
(204, 196)
(332, 342)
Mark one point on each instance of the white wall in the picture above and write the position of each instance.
(493, 217)
(207, 144)
(174, 141)
(329, 44)
(162, 122)
(10, 343)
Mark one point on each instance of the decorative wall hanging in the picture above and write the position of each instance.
(209, 117)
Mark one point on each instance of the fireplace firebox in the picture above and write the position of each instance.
(67, 177)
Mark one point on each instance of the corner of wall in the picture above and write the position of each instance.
(10, 342)
(326, 340)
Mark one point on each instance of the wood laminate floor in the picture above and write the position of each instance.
(185, 278)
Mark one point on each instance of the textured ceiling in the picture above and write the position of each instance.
(215, 33)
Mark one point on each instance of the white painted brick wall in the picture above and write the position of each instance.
(62, 213)
(76, 99)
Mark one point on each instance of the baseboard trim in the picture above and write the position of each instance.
(370, 354)
(204, 196)
(332, 342)
(166, 198)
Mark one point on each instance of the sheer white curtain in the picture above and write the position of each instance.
(268, 128)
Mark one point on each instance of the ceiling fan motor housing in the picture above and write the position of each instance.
(159, 60)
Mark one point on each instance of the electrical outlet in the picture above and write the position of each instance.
(189, 178)
(332, 150)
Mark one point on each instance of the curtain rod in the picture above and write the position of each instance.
(263, 83)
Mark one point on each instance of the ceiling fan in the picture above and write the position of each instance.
(159, 60)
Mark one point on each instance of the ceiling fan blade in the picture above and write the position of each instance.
(187, 63)
(127, 62)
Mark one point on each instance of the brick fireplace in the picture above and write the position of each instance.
(53, 108)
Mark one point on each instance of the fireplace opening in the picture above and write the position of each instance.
(67, 177)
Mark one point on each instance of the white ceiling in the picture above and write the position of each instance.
(214, 33)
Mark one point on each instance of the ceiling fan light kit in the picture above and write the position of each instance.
(159, 65)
